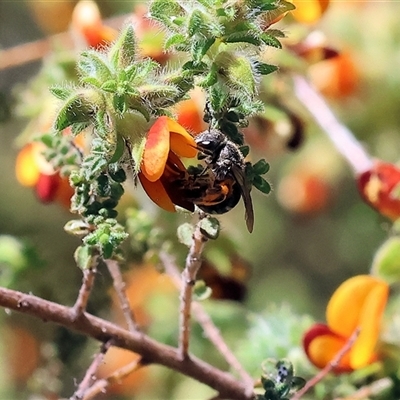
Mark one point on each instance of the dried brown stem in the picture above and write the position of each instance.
(151, 351)
(211, 331)
(101, 385)
(329, 367)
(84, 292)
(119, 286)
(90, 375)
(193, 263)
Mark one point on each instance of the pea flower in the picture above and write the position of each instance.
(86, 21)
(161, 166)
(380, 188)
(357, 303)
(32, 170)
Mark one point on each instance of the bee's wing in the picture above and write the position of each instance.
(240, 178)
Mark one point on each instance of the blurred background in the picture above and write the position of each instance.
(311, 233)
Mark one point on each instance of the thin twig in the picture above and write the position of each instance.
(211, 331)
(119, 286)
(329, 367)
(339, 134)
(152, 351)
(101, 385)
(34, 51)
(373, 389)
(90, 375)
(193, 263)
(84, 292)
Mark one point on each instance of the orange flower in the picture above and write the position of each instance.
(379, 187)
(357, 303)
(32, 170)
(166, 142)
(86, 20)
(309, 11)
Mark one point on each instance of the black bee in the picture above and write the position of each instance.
(227, 181)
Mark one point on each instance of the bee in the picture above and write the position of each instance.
(226, 180)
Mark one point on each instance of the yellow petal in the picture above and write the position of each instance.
(26, 167)
(182, 143)
(362, 352)
(344, 309)
(309, 11)
(157, 193)
(156, 150)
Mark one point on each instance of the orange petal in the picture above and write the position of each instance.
(323, 349)
(347, 303)
(156, 150)
(189, 116)
(26, 167)
(157, 193)
(362, 352)
(182, 143)
(309, 11)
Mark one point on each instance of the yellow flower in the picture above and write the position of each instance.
(357, 303)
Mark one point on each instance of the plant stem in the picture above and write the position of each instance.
(193, 263)
(89, 377)
(84, 292)
(211, 331)
(339, 134)
(119, 286)
(151, 351)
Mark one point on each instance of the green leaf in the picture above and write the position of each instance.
(245, 37)
(185, 234)
(261, 184)
(200, 48)
(196, 23)
(386, 263)
(175, 40)
(167, 12)
(78, 108)
(270, 40)
(137, 104)
(109, 86)
(84, 256)
(123, 52)
(211, 78)
(210, 227)
(119, 103)
(261, 167)
(201, 291)
(92, 63)
(61, 92)
(265, 69)
(78, 127)
(136, 151)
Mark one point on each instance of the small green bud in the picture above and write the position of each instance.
(84, 256)
(201, 291)
(210, 227)
(386, 263)
(185, 234)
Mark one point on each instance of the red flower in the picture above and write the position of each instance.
(380, 188)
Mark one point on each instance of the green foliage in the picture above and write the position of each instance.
(386, 263)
